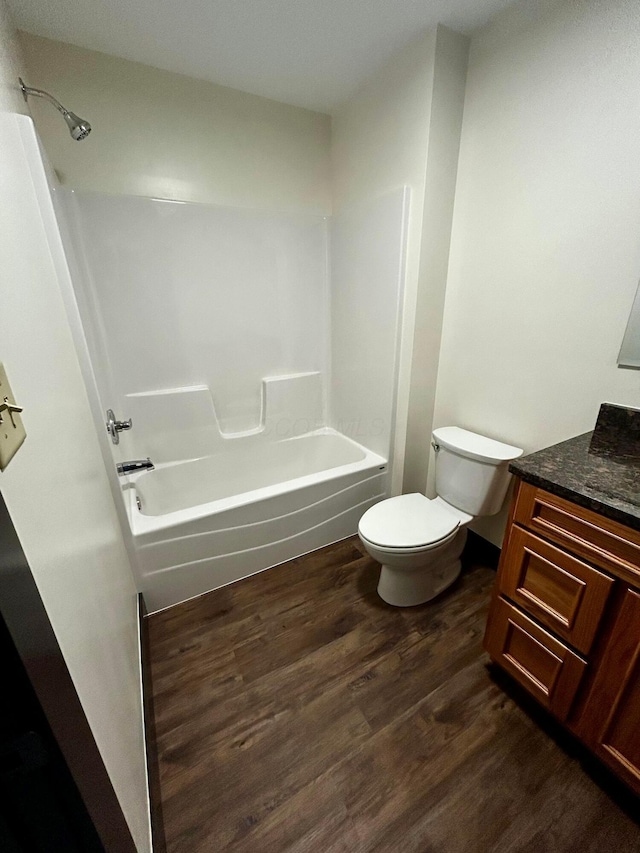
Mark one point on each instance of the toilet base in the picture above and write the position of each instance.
(403, 587)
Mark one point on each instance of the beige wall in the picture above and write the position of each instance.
(156, 133)
(402, 128)
(443, 146)
(380, 135)
(545, 256)
(379, 143)
(11, 65)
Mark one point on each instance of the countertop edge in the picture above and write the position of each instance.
(592, 503)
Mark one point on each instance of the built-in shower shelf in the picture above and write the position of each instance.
(182, 423)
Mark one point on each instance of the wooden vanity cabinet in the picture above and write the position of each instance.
(565, 621)
(610, 720)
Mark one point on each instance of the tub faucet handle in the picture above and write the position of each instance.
(10, 408)
(115, 427)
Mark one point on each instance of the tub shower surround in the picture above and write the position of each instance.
(224, 335)
(251, 500)
(176, 424)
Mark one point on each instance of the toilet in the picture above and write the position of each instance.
(419, 540)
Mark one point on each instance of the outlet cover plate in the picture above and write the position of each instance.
(12, 432)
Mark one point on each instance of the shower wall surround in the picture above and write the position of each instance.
(189, 294)
(367, 272)
(221, 332)
(192, 311)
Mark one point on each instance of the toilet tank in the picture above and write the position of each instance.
(472, 471)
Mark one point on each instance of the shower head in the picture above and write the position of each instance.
(78, 127)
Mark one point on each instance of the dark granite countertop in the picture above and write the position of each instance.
(589, 476)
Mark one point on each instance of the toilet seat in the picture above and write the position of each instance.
(407, 522)
(409, 552)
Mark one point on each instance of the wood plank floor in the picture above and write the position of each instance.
(295, 711)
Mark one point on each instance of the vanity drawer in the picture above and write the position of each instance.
(597, 539)
(559, 590)
(543, 665)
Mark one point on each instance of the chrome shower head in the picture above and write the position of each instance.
(78, 127)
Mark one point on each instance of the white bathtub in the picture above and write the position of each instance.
(211, 521)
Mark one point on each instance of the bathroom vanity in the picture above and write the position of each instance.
(565, 615)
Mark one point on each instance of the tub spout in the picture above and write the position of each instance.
(124, 468)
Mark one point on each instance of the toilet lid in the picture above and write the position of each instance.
(407, 521)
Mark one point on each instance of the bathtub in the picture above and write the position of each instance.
(204, 523)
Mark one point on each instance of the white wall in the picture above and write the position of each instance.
(156, 133)
(380, 142)
(56, 488)
(545, 256)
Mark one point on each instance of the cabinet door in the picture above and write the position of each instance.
(564, 593)
(610, 719)
(543, 665)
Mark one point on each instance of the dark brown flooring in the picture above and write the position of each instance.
(295, 711)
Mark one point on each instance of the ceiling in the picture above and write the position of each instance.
(312, 53)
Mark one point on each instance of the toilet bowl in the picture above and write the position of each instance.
(418, 540)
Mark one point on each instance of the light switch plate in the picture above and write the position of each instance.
(12, 433)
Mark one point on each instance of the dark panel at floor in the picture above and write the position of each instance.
(295, 711)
